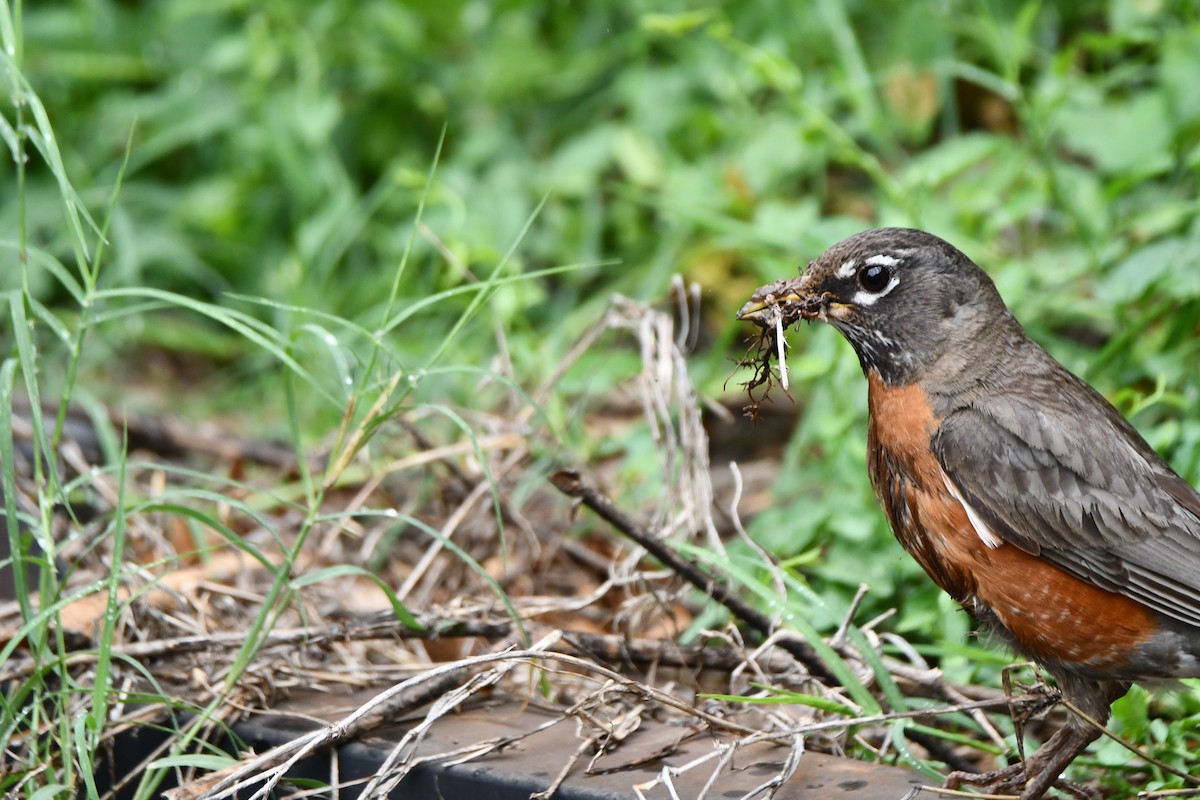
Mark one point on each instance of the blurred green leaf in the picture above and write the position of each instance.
(1171, 265)
(1120, 135)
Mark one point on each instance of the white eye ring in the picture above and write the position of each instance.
(874, 278)
(870, 292)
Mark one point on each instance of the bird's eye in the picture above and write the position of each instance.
(874, 278)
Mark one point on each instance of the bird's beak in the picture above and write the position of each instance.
(757, 307)
(790, 300)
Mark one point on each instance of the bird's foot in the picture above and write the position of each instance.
(1012, 781)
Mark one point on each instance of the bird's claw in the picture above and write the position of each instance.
(1012, 781)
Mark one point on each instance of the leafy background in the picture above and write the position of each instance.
(319, 167)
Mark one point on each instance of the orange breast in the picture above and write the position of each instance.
(1050, 615)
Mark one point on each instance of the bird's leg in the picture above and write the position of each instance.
(1042, 771)
(1039, 772)
(1088, 702)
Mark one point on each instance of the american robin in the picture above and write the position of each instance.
(1017, 487)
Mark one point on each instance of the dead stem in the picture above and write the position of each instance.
(573, 484)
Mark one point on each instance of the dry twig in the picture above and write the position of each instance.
(573, 484)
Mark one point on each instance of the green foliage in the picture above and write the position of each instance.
(263, 189)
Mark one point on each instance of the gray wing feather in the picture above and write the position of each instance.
(1071, 481)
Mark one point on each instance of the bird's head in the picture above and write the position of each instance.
(906, 301)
